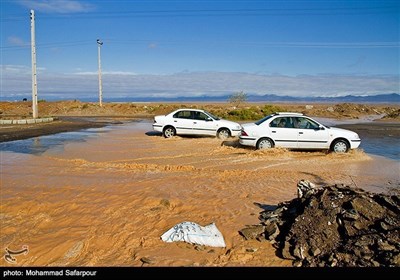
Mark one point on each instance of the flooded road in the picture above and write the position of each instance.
(103, 197)
(380, 139)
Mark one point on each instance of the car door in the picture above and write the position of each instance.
(283, 132)
(310, 134)
(203, 124)
(183, 122)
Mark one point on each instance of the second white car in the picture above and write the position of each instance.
(297, 131)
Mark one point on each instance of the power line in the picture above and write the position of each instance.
(114, 42)
(219, 12)
(47, 45)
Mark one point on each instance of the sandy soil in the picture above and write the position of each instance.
(107, 201)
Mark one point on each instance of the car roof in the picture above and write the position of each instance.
(289, 113)
(189, 109)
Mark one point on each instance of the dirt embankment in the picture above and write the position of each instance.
(76, 115)
(77, 108)
(333, 226)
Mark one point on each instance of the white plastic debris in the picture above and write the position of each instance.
(190, 232)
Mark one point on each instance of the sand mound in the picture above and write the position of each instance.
(333, 226)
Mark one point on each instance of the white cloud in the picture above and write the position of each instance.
(17, 41)
(57, 6)
(105, 73)
(15, 70)
(16, 79)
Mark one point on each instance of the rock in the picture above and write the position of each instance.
(315, 251)
(299, 251)
(384, 226)
(370, 209)
(252, 232)
(251, 250)
(146, 260)
(384, 246)
(271, 231)
(297, 263)
(305, 188)
(396, 260)
(199, 248)
(286, 252)
(350, 214)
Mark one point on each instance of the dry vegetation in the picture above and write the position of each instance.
(248, 111)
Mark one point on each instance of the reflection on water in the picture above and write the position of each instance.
(382, 146)
(39, 145)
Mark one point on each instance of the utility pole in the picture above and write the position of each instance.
(34, 80)
(99, 44)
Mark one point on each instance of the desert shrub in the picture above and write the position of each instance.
(269, 109)
(238, 98)
(245, 114)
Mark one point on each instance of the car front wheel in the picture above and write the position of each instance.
(223, 133)
(340, 146)
(264, 143)
(169, 132)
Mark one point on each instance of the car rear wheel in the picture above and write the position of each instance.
(169, 132)
(264, 143)
(223, 133)
(340, 146)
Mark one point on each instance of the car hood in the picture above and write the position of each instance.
(230, 124)
(342, 131)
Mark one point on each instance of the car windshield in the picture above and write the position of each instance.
(212, 116)
(319, 123)
(263, 119)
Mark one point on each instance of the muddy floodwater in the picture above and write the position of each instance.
(103, 197)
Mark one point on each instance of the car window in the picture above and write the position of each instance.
(200, 116)
(263, 119)
(183, 115)
(275, 122)
(289, 122)
(213, 116)
(305, 123)
(283, 122)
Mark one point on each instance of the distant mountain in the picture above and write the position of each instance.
(382, 98)
(389, 98)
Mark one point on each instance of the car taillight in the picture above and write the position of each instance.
(243, 133)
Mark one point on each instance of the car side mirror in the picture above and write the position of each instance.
(208, 119)
(321, 128)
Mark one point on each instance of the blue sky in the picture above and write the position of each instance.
(191, 48)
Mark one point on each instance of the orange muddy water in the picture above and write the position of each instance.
(107, 200)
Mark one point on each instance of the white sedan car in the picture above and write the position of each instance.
(195, 122)
(297, 131)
